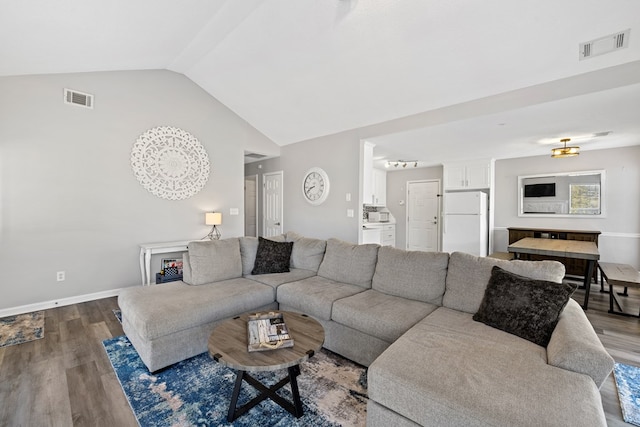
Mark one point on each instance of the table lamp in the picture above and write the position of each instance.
(213, 218)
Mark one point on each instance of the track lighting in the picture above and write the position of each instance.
(403, 163)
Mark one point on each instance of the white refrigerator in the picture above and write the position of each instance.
(466, 226)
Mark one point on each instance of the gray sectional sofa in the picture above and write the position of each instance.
(408, 316)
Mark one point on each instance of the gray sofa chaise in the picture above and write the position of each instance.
(408, 316)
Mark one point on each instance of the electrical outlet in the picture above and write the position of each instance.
(60, 276)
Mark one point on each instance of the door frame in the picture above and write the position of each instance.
(439, 209)
(255, 179)
(264, 199)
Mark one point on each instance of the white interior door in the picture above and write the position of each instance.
(251, 206)
(423, 205)
(272, 204)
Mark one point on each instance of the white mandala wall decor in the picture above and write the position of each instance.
(170, 163)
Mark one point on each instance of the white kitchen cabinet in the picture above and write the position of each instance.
(372, 235)
(468, 175)
(374, 181)
(380, 233)
(389, 235)
(367, 173)
(379, 193)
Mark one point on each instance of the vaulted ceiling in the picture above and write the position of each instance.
(423, 79)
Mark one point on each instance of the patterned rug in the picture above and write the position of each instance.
(21, 328)
(196, 392)
(628, 384)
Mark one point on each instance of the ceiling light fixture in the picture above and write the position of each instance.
(565, 151)
(403, 163)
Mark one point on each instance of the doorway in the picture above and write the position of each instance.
(423, 215)
(273, 223)
(251, 206)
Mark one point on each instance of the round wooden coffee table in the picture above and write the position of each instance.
(228, 346)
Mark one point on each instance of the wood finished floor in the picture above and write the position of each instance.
(65, 379)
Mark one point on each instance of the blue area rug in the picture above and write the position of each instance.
(21, 328)
(628, 384)
(196, 392)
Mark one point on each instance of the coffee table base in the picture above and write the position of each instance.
(294, 407)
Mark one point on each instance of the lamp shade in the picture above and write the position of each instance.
(213, 218)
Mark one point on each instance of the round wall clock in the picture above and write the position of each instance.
(315, 186)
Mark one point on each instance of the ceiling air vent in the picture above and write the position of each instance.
(604, 45)
(255, 156)
(78, 98)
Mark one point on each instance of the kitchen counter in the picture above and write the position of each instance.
(382, 233)
(367, 224)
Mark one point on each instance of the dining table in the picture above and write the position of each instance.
(561, 248)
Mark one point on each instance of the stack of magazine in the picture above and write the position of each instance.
(268, 332)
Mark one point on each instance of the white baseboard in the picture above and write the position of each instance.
(58, 303)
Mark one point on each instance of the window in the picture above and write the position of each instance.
(584, 199)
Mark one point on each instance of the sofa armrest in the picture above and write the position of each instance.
(186, 268)
(575, 346)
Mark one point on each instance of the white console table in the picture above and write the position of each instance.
(148, 249)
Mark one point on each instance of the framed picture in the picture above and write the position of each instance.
(171, 264)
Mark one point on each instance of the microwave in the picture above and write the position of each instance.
(378, 216)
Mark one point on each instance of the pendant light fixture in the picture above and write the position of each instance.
(565, 151)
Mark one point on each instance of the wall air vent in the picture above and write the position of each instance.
(78, 98)
(604, 45)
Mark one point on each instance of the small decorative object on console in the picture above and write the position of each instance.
(163, 278)
(268, 332)
(171, 267)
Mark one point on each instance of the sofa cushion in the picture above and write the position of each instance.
(214, 260)
(315, 295)
(307, 252)
(156, 311)
(248, 250)
(349, 263)
(415, 275)
(468, 275)
(276, 279)
(380, 315)
(524, 307)
(475, 375)
(272, 257)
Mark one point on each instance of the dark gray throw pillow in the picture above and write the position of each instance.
(522, 306)
(272, 257)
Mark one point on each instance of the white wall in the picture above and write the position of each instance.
(68, 197)
(339, 156)
(620, 238)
